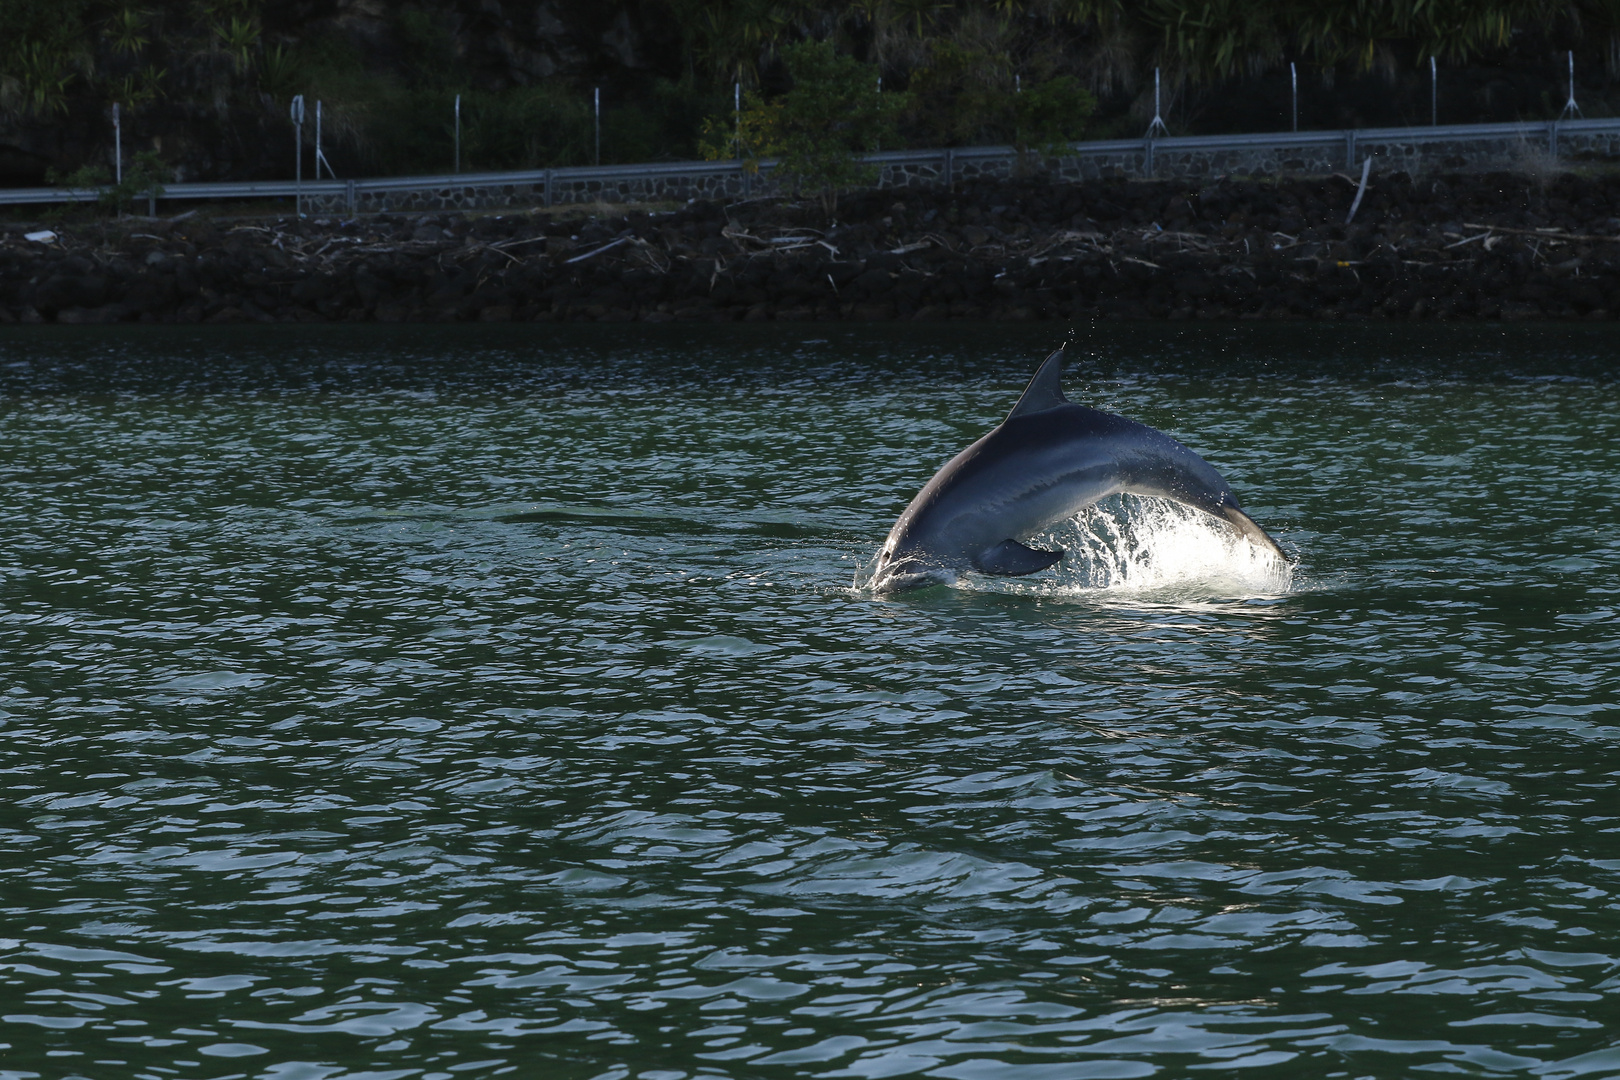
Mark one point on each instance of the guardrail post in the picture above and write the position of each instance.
(548, 187)
(748, 182)
(948, 169)
(348, 195)
(1434, 94)
(1147, 157)
(1350, 149)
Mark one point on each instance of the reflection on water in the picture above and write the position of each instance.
(455, 704)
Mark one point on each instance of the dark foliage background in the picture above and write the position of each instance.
(206, 83)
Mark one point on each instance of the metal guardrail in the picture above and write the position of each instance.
(548, 179)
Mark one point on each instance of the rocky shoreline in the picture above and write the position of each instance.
(1475, 247)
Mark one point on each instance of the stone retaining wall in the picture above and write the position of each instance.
(1313, 154)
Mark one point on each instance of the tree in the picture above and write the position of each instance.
(962, 95)
(833, 113)
(1051, 114)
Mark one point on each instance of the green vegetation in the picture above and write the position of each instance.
(197, 78)
(403, 121)
(143, 177)
(833, 112)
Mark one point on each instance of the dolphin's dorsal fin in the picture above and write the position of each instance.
(1045, 390)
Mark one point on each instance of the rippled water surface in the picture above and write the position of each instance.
(443, 703)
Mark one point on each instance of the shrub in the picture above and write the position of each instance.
(962, 96)
(833, 112)
(143, 177)
(1051, 114)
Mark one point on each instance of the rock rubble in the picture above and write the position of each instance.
(1494, 246)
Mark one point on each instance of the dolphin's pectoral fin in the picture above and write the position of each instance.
(1012, 559)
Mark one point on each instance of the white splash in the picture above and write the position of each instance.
(1128, 545)
(1137, 544)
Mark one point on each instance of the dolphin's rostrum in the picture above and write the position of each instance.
(1046, 462)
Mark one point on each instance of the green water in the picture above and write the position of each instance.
(438, 703)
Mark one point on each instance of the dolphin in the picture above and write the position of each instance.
(1046, 462)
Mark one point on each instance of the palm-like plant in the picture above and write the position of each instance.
(1600, 19)
(898, 29)
(279, 72)
(38, 82)
(1215, 39)
(126, 30)
(135, 92)
(238, 39)
(728, 38)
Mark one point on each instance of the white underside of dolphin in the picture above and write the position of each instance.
(1045, 463)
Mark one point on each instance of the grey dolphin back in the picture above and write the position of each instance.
(1178, 473)
(1045, 391)
(1164, 467)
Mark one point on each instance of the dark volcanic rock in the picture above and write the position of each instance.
(1476, 247)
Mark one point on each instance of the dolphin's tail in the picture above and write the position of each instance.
(1251, 530)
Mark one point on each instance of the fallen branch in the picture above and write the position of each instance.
(609, 246)
(1366, 171)
(519, 243)
(1540, 234)
(735, 235)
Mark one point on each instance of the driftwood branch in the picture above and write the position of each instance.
(1366, 171)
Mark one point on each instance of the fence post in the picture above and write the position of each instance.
(1571, 109)
(320, 157)
(1156, 126)
(297, 114)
